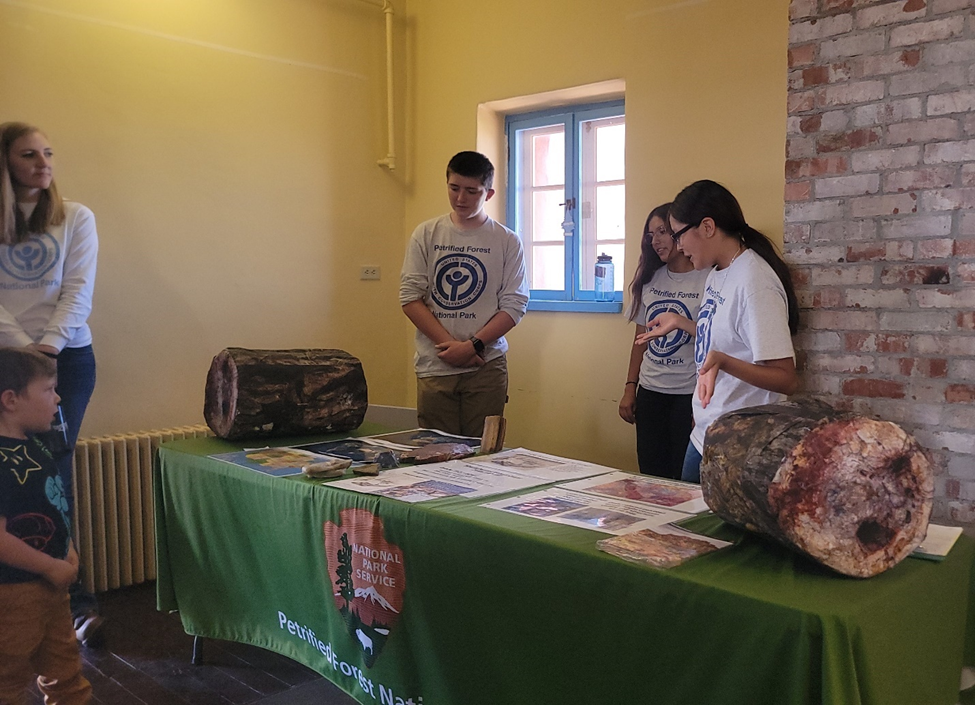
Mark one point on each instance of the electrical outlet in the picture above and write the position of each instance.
(369, 271)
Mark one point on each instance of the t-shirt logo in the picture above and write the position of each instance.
(458, 281)
(667, 345)
(32, 259)
(704, 319)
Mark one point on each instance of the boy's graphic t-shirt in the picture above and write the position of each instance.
(32, 501)
(464, 277)
(745, 315)
(668, 362)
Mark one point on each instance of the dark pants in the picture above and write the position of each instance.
(663, 425)
(76, 382)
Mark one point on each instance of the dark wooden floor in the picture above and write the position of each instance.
(146, 659)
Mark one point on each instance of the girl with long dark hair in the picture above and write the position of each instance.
(660, 380)
(743, 349)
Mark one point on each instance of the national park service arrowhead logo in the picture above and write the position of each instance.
(367, 576)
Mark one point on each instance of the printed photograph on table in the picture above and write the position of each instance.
(662, 547)
(603, 519)
(587, 511)
(681, 496)
(431, 489)
(355, 449)
(544, 506)
(419, 437)
(551, 468)
(279, 462)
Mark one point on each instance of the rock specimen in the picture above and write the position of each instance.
(851, 492)
(327, 468)
(437, 453)
(266, 393)
(492, 438)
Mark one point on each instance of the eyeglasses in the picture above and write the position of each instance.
(662, 231)
(683, 230)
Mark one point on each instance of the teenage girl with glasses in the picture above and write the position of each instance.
(743, 348)
(660, 380)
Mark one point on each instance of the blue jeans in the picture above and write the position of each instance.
(691, 472)
(76, 382)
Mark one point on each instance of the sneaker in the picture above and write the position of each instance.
(88, 628)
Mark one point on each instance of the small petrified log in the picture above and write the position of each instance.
(265, 393)
(851, 492)
(437, 453)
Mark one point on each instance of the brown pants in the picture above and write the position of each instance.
(459, 403)
(37, 637)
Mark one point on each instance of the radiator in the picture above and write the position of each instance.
(114, 528)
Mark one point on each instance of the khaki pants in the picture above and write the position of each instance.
(37, 638)
(459, 403)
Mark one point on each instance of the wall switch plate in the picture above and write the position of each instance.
(369, 271)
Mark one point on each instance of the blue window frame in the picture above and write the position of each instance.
(566, 195)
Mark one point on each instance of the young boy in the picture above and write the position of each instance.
(463, 286)
(37, 559)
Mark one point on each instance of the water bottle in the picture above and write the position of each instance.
(605, 278)
(56, 439)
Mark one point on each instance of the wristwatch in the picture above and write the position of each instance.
(478, 344)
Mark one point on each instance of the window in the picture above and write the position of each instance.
(566, 197)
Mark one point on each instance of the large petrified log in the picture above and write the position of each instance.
(851, 492)
(265, 393)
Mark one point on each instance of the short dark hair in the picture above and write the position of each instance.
(473, 165)
(21, 366)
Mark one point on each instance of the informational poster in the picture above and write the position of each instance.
(455, 478)
(278, 462)
(551, 468)
(419, 437)
(646, 489)
(589, 511)
(358, 450)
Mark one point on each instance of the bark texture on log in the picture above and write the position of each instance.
(267, 393)
(853, 493)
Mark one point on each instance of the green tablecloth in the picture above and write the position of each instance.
(503, 609)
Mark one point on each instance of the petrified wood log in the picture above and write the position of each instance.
(852, 493)
(265, 393)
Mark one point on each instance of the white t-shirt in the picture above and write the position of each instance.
(745, 314)
(464, 277)
(46, 283)
(668, 362)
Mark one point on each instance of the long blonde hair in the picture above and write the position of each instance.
(14, 228)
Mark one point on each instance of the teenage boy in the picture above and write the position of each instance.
(463, 286)
(37, 559)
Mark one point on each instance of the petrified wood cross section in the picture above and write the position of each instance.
(851, 492)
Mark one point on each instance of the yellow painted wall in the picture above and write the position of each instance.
(705, 92)
(228, 149)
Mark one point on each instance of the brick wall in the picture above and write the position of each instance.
(880, 219)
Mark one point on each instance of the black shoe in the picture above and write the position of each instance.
(88, 628)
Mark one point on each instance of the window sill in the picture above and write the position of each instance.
(577, 306)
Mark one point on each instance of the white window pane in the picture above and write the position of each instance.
(548, 267)
(547, 216)
(610, 143)
(610, 212)
(548, 157)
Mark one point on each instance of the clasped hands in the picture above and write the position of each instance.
(459, 353)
